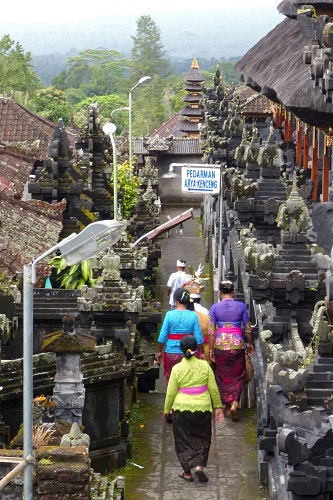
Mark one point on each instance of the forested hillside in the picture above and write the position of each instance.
(58, 71)
(208, 35)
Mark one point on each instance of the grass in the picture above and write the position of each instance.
(140, 454)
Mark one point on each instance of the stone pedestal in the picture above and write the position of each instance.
(69, 392)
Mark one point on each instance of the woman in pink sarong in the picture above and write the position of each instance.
(227, 346)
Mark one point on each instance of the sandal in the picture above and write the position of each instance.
(234, 413)
(227, 411)
(202, 478)
(188, 479)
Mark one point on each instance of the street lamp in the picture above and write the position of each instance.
(130, 154)
(74, 249)
(170, 174)
(119, 109)
(110, 129)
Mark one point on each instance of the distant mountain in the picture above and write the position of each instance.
(208, 34)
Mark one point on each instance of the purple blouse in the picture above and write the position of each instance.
(228, 317)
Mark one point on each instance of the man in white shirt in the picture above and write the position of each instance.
(176, 280)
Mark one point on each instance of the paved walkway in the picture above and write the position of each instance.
(232, 466)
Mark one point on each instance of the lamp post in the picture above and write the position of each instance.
(110, 129)
(130, 154)
(74, 249)
(119, 109)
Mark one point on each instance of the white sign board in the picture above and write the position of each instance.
(201, 179)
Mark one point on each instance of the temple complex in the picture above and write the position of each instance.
(269, 229)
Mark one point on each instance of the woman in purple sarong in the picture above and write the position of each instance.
(227, 345)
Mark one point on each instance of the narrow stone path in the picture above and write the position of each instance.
(232, 466)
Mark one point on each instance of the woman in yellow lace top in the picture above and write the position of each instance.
(193, 395)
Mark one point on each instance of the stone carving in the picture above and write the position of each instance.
(283, 366)
(69, 391)
(294, 217)
(241, 149)
(75, 437)
(258, 259)
(252, 150)
(237, 121)
(317, 54)
(110, 265)
(241, 187)
(271, 156)
(321, 321)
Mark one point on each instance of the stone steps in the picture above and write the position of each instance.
(320, 385)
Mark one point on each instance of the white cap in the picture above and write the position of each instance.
(181, 263)
(195, 295)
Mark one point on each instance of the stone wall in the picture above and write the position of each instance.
(63, 472)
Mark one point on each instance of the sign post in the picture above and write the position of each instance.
(202, 179)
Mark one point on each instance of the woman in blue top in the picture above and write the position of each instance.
(177, 323)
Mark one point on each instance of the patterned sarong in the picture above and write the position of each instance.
(169, 361)
(192, 433)
(230, 373)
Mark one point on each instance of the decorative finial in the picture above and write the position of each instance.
(195, 64)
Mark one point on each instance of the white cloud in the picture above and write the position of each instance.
(71, 10)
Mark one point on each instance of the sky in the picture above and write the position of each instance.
(25, 12)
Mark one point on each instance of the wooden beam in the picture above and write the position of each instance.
(325, 180)
(314, 170)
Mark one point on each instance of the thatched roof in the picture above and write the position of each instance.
(289, 7)
(275, 68)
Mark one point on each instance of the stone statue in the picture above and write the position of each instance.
(294, 216)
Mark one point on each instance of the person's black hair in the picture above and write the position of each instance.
(188, 345)
(182, 296)
(226, 287)
(190, 305)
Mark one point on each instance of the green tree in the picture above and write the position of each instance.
(147, 52)
(98, 71)
(106, 104)
(149, 109)
(16, 73)
(128, 186)
(228, 71)
(53, 104)
(59, 81)
(173, 94)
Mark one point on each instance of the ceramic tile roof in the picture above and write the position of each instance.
(15, 168)
(169, 128)
(256, 104)
(192, 87)
(193, 98)
(188, 111)
(27, 229)
(23, 130)
(178, 146)
(157, 144)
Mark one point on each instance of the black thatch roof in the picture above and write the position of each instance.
(289, 7)
(274, 67)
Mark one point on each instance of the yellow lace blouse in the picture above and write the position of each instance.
(192, 372)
